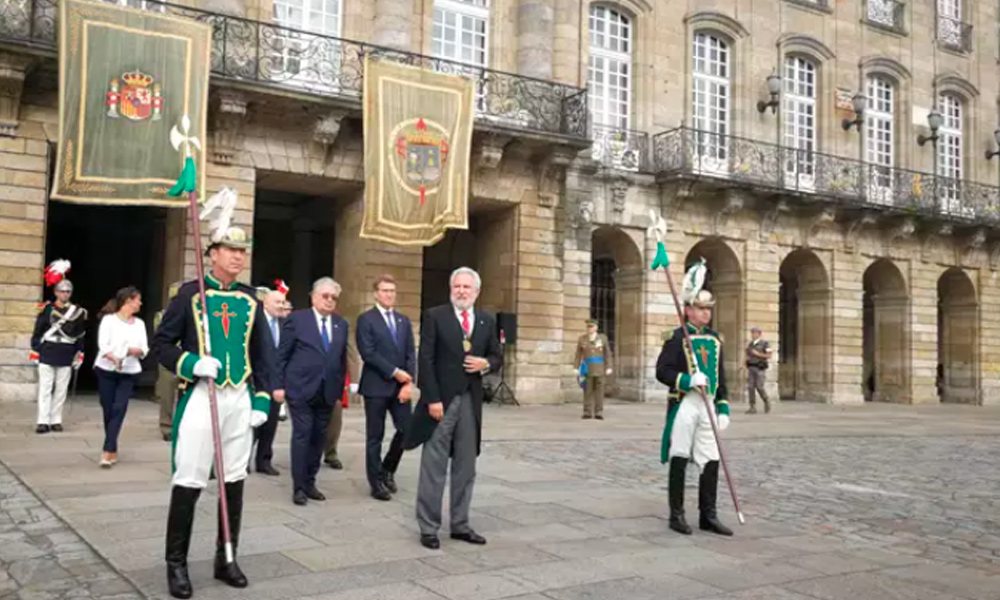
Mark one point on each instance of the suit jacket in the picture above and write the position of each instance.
(305, 371)
(382, 354)
(442, 376)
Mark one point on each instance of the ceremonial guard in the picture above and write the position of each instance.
(688, 434)
(237, 334)
(57, 347)
(593, 355)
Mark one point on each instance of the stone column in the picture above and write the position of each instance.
(813, 376)
(393, 27)
(891, 359)
(535, 30)
(848, 328)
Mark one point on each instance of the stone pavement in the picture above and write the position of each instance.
(842, 503)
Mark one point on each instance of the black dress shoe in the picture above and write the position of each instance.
(587, 417)
(57, 427)
(178, 581)
(469, 536)
(299, 497)
(679, 524)
(230, 574)
(268, 470)
(314, 494)
(709, 522)
(335, 464)
(42, 429)
(430, 541)
(599, 417)
(379, 492)
(390, 482)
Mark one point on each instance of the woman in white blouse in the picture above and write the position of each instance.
(121, 344)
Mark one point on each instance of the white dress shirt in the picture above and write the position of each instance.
(275, 327)
(115, 337)
(320, 321)
(472, 317)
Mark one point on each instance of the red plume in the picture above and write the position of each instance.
(280, 285)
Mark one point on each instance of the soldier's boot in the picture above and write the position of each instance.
(707, 488)
(229, 572)
(767, 406)
(678, 465)
(180, 520)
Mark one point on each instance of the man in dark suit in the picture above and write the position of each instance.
(458, 345)
(311, 366)
(274, 313)
(385, 342)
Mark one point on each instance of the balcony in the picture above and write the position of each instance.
(686, 153)
(886, 14)
(954, 35)
(621, 149)
(269, 55)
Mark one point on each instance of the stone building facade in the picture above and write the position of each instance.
(869, 258)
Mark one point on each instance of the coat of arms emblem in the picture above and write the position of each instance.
(421, 155)
(134, 96)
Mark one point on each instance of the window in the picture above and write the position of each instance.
(886, 13)
(610, 85)
(140, 4)
(710, 98)
(949, 149)
(880, 137)
(950, 29)
(304, 58)
(799, 118)
(460, 30)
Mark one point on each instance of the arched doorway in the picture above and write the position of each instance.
(804, 328)
(725, 281)
(958, 338)
(886, 334)
(616, 302)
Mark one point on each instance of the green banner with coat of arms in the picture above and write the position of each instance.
(126, 77)
(417, 135)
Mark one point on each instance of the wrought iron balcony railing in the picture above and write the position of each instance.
(954, 35)
(622, 149)
(686, 152)
(273, 55)
(887, 14)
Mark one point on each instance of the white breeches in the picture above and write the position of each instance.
(50, 402)
(194, 452)
(691, 436)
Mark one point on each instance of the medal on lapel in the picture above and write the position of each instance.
(467, 345)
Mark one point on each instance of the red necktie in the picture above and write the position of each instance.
(465, 322)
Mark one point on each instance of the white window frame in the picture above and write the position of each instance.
(290, 45)
(949, 22)
(139, 4)
(711, 99)
(799, 121)
(609, 74)
(880, 137)
(950, 159)
(461, 10)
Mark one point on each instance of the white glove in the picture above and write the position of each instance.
(354, 388)
(207, 366)
(257, 418)
(699, 380)
(723, 422)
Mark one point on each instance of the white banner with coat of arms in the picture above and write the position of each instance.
(417, 135)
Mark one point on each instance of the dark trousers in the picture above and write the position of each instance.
(309, 423)
(375, 409)
(264, 436)
(115, 390)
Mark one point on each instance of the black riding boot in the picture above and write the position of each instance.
(229, 572)
(180, 520)
(678, 465)
(707, 488)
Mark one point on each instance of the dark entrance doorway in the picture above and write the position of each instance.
(110, 247)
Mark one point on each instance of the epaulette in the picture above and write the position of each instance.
(41, 305)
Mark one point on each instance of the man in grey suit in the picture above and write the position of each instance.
(458, 345)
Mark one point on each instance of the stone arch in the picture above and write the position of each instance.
(804, 328)
(958, 338)
(725, 281)
(616, 302)
(885, 336)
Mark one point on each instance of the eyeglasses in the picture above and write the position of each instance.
(329, 297)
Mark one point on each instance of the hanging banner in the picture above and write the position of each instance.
(126, 77)
(418, 135)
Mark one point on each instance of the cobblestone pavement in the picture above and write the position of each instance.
(43, 559)
(932, 497)
(872, 502)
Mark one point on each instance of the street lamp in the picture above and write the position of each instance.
(773, 88)
(991, 153)
(934, 121)
(859, 103)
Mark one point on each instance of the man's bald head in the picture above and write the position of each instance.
(274, 303)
